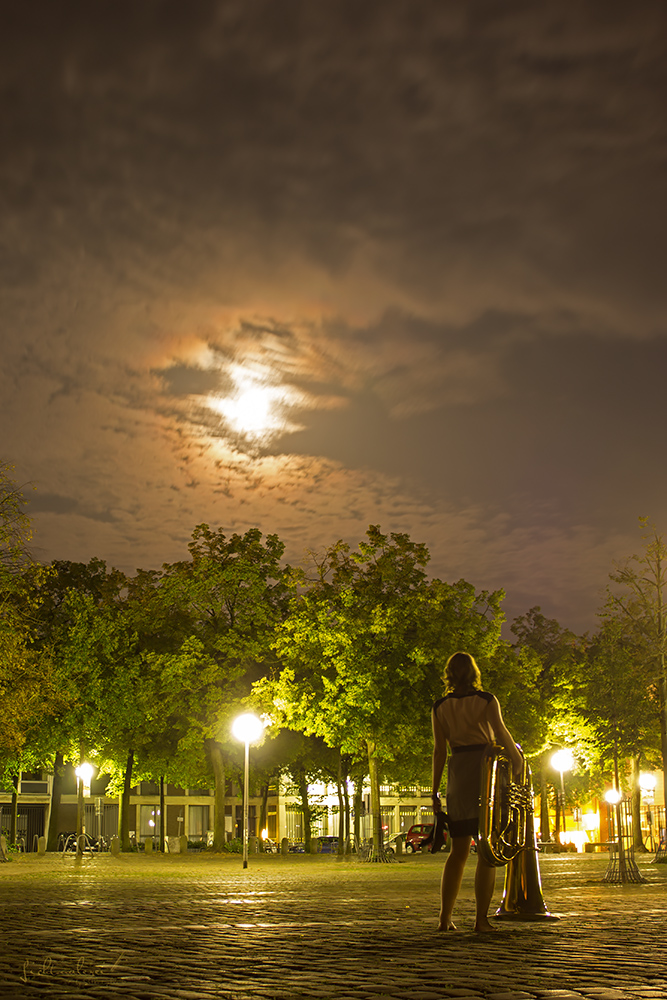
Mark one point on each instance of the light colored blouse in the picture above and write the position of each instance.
(465, 718)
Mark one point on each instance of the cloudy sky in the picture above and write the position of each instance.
(311, 266)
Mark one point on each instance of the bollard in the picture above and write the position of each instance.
(114, 846)
(184, 843)
(284, 846)
(148, 846)
(252, 845)
(41, 846)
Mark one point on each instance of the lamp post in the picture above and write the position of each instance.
(562, 761)
(247, 728)
(647, 783)
(84, 773)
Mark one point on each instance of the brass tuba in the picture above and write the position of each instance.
(505, 808)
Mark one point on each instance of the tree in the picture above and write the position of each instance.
(555, 652)
(15, 526)
(637, 596)
(26, 685)
(232, 594)
(362, 648)
(619, 699)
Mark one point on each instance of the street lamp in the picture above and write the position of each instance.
(562, 761)
(84, 773)
(246, 728)
(647, 783)
(613, 798)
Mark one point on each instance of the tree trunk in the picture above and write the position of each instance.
(545, 822)
(305, 808)
(14, 815)
(163, 818)
(124, 805)
(358, 802)
(346, 799)
(662, 692)
(376, 811)
(637, 837)
(341, 807)
(56, 791)
(216, 757)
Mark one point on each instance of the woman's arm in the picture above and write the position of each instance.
(504, 737)
(439, 758)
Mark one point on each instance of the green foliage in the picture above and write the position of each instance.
(363, 647)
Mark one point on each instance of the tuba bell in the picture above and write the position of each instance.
(505, 808)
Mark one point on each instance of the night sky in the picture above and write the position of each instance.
(312, 266)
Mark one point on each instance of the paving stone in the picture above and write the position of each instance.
(176, 928)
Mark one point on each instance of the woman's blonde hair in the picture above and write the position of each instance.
(462, 673)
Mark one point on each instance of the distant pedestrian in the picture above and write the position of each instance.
(465, 721)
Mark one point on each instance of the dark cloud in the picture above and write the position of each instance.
(429, 237)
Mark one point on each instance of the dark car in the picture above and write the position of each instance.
(419, 837)
(328, 845)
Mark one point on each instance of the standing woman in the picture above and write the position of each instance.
(466, 720)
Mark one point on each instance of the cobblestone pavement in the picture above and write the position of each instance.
(145, 928)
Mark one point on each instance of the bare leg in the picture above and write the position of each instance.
(485, 880)
(452, 876)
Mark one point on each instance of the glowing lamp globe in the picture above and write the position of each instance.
(247, 728)
(562, 760)
(647, 782)
(85, 772)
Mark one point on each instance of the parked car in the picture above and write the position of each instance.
(419, 837)
(391, 845)
(328, 845)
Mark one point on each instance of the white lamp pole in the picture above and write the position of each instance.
(247, 729)
(84, 774)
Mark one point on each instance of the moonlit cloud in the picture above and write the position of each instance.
(315, 266)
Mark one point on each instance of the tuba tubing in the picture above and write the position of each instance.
(505, 808)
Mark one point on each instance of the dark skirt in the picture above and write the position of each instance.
(464, 773)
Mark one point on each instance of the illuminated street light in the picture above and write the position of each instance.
(247, 728)
(84, 773)
(613, 797)
(647, 783)
(562, 761)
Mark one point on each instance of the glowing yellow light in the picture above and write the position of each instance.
(576, 837)
(562, 760)
(647, 782)
(590, 821)
(247, 728)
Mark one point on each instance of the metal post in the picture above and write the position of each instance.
(246, 775)
(562, 800)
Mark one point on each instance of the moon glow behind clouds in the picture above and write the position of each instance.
(315, 266)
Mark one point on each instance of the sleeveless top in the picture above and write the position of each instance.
(463, 718)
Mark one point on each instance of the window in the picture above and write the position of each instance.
(149, 822)
(198, 822)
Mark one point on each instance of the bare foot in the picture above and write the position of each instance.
(484, 927)
(447, 925)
